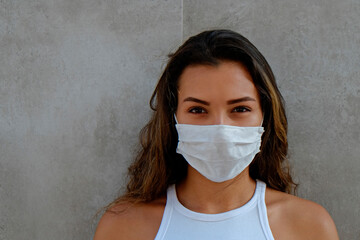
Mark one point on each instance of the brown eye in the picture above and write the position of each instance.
(241, 109)
(197, 110)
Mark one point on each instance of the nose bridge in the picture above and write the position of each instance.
(220, 118)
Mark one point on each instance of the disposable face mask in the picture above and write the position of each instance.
(218, 152)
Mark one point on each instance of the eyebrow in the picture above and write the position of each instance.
(192, 99)
(243, 99)
(233, 101)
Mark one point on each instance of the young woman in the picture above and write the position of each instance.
(213, 159)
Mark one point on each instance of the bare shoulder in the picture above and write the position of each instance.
(131, 221)
(291, 217)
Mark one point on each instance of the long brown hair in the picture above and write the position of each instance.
(157, 164)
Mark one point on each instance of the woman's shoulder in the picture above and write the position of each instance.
(302, 219)
(131, 221)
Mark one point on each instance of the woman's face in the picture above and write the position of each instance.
(218, 95)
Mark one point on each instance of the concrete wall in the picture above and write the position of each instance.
(76, 77)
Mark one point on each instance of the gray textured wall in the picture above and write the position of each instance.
(76, 77)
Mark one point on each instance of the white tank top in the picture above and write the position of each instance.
(247, 222)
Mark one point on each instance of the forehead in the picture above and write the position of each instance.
(228, 79)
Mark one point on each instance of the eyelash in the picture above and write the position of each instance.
(195, 110)
(243, 109)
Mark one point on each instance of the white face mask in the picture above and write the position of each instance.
(218, 152)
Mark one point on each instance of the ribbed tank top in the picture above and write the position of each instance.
(246, 222)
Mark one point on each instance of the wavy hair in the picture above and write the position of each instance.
(157, 164)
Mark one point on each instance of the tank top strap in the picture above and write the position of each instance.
(261, 188)
(169, 208)
(263, 210)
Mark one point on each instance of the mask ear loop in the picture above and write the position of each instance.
(175, 119)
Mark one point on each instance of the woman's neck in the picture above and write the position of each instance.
(199, 194)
